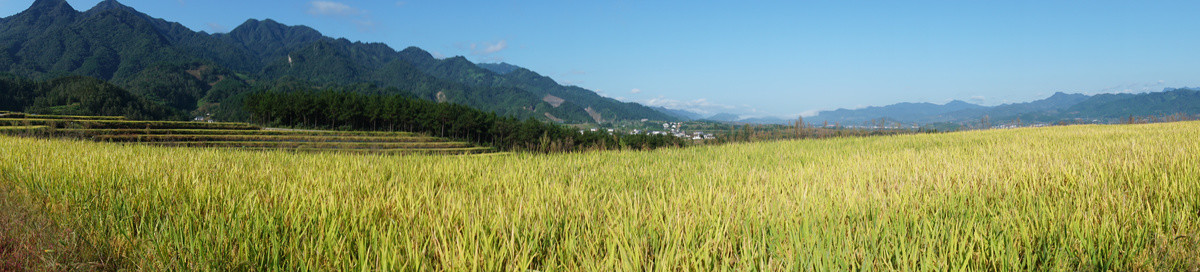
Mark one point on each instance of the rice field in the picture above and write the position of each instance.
(227, 135)
(1120, 197)
(12, 115)
(121, 124)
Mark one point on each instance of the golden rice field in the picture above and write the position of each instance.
(1121, 197)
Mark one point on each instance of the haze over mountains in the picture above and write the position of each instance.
(1102, 108)
(194, 72)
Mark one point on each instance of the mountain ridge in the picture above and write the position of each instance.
(117, 43)
(1060, 106)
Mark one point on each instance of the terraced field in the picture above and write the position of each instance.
(226, 135)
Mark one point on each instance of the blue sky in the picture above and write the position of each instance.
(758, 58)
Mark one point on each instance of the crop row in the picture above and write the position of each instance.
(58, 117)
(382, 151)
(193, 135)
(121, 124)
(226, 135)
(275, 138)
(22, 128)
(265, 144)
(230, 132)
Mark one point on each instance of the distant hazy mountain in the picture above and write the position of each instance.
(765, 120)
(680, 114)
(1057, 107)
(1120, 106)
(1053, 105)
(902, 112)
(190, 71)
(724, 117)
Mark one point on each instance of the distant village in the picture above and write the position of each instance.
(668, 128)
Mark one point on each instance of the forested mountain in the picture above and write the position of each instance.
(681, 114)
(904, 112)
(572, 98)
(78, 95)
(1054, 105)
(724, 117)
(169, 64)
(499, 68)
(1104, 108)
(1120, 106)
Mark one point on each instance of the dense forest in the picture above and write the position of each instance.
(78, 95)
(365, 107)
(290, 102)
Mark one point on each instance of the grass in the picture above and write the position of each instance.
(1061, 198)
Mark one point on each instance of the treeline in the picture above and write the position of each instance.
(78, 95)
(353, 108)
(799, 130)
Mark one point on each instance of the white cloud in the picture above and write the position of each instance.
(216, 28)
(485, 48)
(401, 3)
(437, 55)
(701, 106)
(496, 47)
(365, 25)
(485, 51)
(810, 113)
(1136, 87)
(978, 99)
(331, 8)
(635, 91)
(491, 59)
(359, 17)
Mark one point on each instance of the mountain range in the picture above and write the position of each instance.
(1100, 108)
(1071, 108)
(194, 72)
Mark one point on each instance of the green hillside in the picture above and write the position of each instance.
(78, 95)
